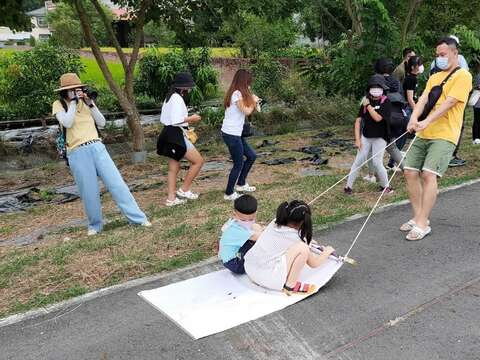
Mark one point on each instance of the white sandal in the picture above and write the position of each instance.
(409, 225)
(418, 234)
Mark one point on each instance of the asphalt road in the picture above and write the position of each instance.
(406, 300)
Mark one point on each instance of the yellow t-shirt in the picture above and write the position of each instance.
(448, 126)
(83, 128)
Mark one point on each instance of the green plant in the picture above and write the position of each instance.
(267, 73)
(32, 41)
(157, 71)
(255, 34)
(28, 78)
(212, 117)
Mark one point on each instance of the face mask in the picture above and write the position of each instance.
(246, 224)
(71, 94)
(376, 92)
(442, 63)
(421, 69)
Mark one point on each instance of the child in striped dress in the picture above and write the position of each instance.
(282, 251)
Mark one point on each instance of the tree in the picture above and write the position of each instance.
(66, 25)
(13, 15)
(139, 12)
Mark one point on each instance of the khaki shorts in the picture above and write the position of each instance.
(430, 155)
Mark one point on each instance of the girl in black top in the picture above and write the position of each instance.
(414, 67)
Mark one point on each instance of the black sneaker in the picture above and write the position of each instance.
(348, 191)
(456, 162)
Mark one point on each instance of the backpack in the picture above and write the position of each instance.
(434, 95)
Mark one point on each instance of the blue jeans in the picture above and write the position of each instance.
(238, 148)
(86, 163)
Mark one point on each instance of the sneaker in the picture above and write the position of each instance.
(187, 194)
(175, 202)
(476, 142)
(371, 179)
(245, 188)
(456, 162)
(92, 232)
(146, 223)
(388, 190)
(348, 191)
(232, 196)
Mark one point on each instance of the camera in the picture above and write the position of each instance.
(91, 93)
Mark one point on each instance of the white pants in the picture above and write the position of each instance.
(375, 146)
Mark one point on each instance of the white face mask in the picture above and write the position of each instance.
(376, 92)
(421, 69)
(71, 94)
(442, 62)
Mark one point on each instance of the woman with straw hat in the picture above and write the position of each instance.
(87, 156)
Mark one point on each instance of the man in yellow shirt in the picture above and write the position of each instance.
(437, 136)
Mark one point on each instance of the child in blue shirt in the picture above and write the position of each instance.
(239, 234)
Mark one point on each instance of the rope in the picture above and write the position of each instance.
(357, 168)
(378, 200)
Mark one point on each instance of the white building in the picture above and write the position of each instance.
(40, 29)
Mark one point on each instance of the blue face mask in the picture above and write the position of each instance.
(442, 62)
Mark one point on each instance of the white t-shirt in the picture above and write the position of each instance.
(174, 111)
(234, 118)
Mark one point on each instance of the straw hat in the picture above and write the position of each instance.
(69, 81)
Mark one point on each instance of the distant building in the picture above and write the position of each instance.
(40, 29)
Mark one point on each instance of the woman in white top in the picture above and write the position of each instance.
(282, 250)
(239, 102)
(174, 143)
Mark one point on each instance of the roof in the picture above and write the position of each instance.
(38, 12)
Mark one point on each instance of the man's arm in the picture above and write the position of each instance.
(438, 113)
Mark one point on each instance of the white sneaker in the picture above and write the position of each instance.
(146, 223)
(233, 196)
(245, 188)
(187, 194)
(175, 202)
(476, 142)
(371, 179)
(92, 232)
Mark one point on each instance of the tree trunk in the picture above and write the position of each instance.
(409, 19)
(354, 13)
(125, 96)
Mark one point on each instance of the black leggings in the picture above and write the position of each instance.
(476, 123)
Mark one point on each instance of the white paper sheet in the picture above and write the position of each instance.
(221, 300)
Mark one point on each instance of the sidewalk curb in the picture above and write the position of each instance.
(32, 314)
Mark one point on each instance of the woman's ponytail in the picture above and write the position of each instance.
(298, 213)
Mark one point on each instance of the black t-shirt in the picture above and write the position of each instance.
(410, 83)
(372, 128)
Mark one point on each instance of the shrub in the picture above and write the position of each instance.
(32, 41)
(268, 74)
(28, 78)
(255, 34)
(157, 71)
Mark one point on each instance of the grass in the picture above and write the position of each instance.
(216, 52)
(66, 263)
(94, 75)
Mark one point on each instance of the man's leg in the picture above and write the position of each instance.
(415, 191)
(429, 196)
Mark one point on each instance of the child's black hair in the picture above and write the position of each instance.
(245, 204)
(296, 212)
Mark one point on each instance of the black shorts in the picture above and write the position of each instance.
(236, 265)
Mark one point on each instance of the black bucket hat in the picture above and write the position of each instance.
(377, 80)
(183, 80)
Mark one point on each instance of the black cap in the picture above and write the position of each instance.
(183, 80)
(377, 80)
